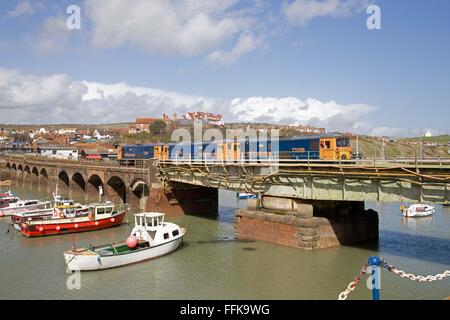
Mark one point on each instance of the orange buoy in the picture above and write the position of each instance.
(96, 223)
(41, 229)
(58, 228)
(112, 219)
(131, 241)
(76, 225)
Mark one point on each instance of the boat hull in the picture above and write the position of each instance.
(71, 226)
(11, 211)
(91, 262)
(415, 214)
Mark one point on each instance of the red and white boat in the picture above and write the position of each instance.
(7, 198)
(98, 216)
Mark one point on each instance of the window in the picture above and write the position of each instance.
(175, 233)
(53, 151)
(166, 236)
(328, 144)
(100, 210)
(109, 210)
(344, 142)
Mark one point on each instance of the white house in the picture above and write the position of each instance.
(98, 136)
(67, 131)
(59, 153)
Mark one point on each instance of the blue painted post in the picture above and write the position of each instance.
(374, 262)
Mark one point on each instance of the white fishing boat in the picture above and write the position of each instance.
(417, 210)
(7, 198)
(25, 205)
(60, 206)
(150, 238)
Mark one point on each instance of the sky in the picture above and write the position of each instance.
(294, 62)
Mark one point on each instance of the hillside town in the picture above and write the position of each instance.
(100, 142)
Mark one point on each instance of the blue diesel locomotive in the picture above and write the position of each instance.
(324, 147)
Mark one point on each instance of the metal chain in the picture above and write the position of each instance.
(352, 285)
(413, 277)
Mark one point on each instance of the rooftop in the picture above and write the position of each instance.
(149, 214)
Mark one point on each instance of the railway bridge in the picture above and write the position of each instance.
(307, 205)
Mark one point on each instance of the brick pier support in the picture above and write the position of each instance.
(305, 224)
(179, 199)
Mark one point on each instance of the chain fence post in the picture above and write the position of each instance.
(374, 263)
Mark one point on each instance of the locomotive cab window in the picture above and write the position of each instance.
(343, 142)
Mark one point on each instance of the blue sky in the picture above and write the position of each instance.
(298, 62)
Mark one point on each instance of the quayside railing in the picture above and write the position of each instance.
(374, 265)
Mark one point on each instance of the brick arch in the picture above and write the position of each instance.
(79, 179)
(64, 177)
(14, 167)
(118, 186)
(35, 171)
(8, 166)
(20, 168)
(95, 181)
(27, 169)
(139, 187)
(43, 173)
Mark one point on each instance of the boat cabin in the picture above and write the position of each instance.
(102, 210)
(150, 221)
(27, 203)
(150, 226)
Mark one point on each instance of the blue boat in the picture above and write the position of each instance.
(246, 195)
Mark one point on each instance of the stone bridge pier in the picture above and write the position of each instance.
(180, 198)
(306, 224)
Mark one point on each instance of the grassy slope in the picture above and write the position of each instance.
(437, 139)
(370, 146)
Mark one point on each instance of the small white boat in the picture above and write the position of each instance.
(25, 205)
(7, 198)
(417, 210)
(242, 195)
(150, 238)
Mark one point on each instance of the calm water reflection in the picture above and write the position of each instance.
(212, 264)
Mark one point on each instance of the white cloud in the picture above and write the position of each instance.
(28, 98)
(222, 31)
(22, 9)
(294, 111)
(247, 42)
(185, 27)
(300, 12)
(18, 90)
(54, 36)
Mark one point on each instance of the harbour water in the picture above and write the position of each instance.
(212, 264)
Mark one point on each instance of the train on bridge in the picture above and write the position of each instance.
(321, 147)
